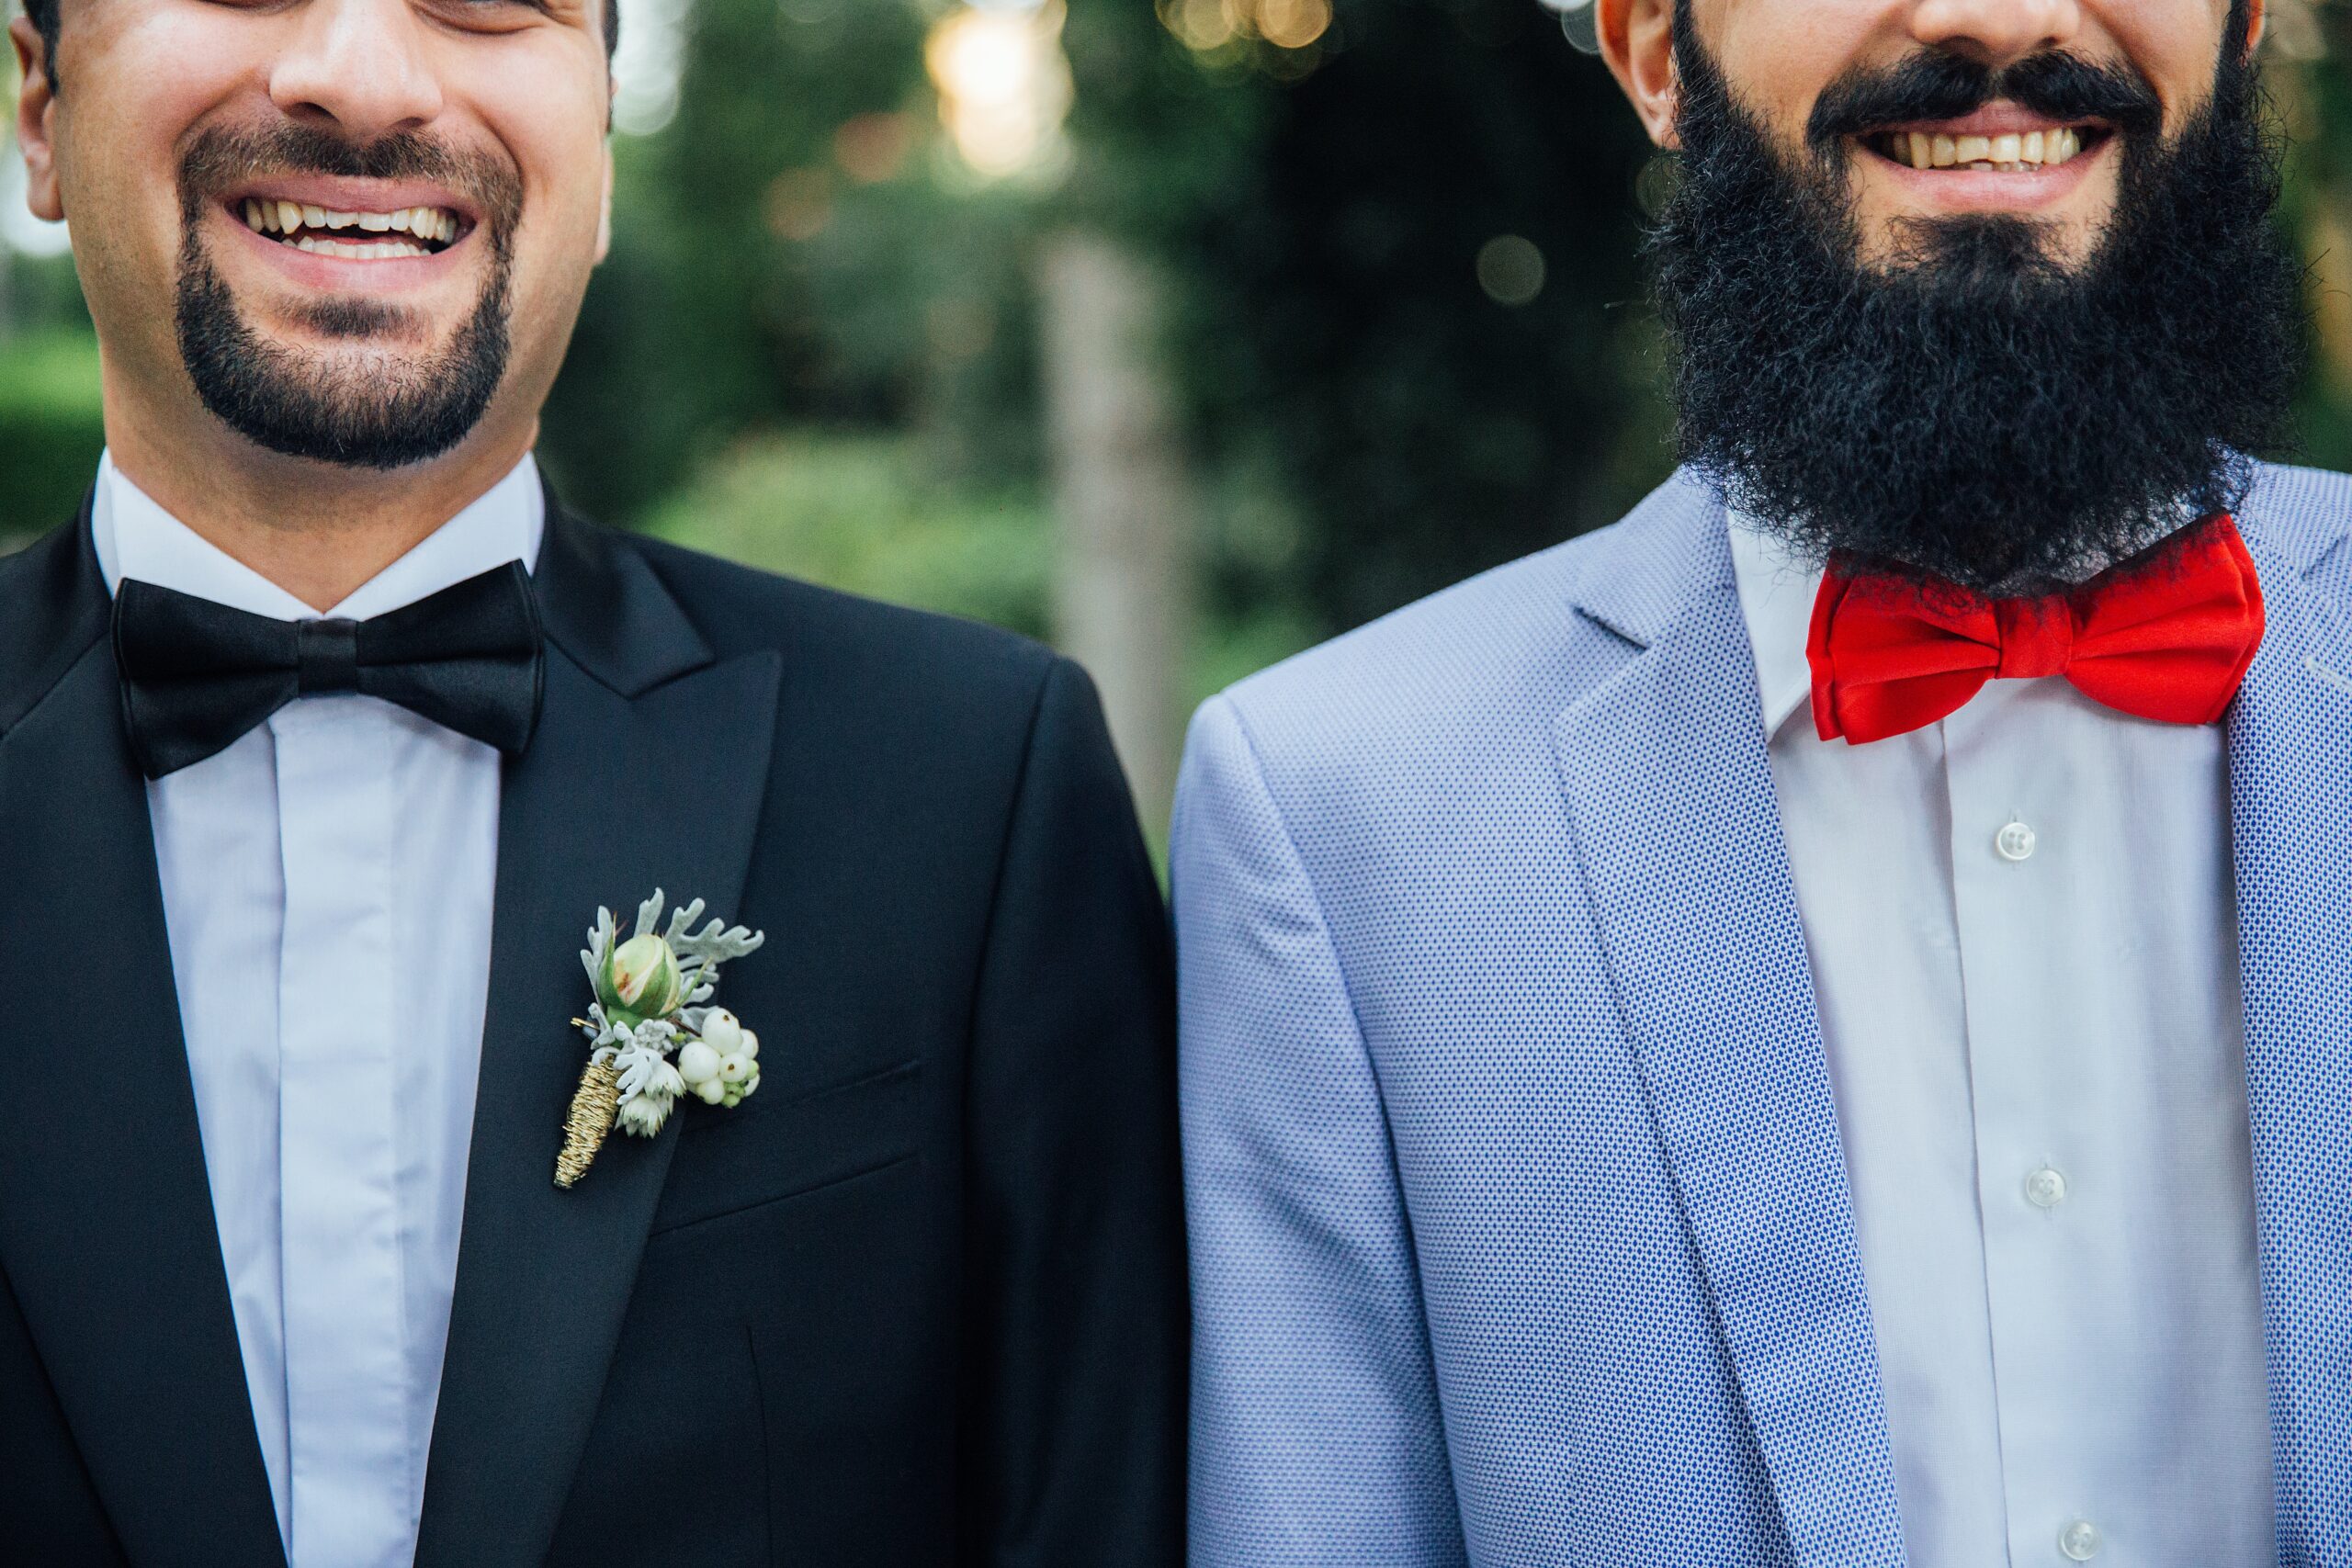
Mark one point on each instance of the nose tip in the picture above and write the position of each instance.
(1995, 32)
(358, 70)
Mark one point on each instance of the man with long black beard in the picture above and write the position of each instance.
(1809, 1026)
(347, 1218)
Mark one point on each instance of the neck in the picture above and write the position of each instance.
(317, 530)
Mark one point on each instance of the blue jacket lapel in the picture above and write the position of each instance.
(2290, 789)
(1670, 792)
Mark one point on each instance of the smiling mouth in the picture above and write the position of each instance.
(407, 232)
(2032, 151)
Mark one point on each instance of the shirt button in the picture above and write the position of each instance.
(2045, 1189)
(2079, 1540)
(2014, 841)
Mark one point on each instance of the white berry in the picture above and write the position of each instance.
(697, 1061)
(721, 1030)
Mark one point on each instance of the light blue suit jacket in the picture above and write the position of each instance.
(1520, 1222)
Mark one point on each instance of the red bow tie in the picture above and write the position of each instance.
(2170, 641)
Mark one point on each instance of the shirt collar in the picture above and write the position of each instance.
(135, 537)
(1776, 593)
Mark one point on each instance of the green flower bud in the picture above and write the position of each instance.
(641, 981)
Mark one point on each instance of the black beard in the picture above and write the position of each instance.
(385, 415)
(1977, 413)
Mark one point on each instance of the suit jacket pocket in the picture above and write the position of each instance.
(787, 1140)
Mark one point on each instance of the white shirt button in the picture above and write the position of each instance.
(2014, 841)
(2079, 1540)
(2046, 1187)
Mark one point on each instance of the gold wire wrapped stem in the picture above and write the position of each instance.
(594, 1105)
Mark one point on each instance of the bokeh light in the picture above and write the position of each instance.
(1208, 25)
(1510, 269)
(1004, 85)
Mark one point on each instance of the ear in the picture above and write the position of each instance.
(33, 107)
(2257, 12)
(605, 213)
(1637, 40)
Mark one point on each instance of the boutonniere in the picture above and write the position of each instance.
(650, 996)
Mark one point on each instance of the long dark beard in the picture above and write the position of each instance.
(1977, 411)
(392, 410)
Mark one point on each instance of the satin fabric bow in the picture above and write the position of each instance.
(2169, 639)
(198, 675)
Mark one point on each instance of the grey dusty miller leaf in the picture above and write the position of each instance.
(649, 914)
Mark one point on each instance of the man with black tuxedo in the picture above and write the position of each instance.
(326, 732)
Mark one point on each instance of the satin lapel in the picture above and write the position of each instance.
(1670, 791)
(2291, 810)
(106, 1210)
(639, 778)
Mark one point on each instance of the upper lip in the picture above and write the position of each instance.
(338, 195)
(1999, 119)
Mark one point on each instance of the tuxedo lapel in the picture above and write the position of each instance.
(1670, 792)
(647, 771)
(2290, 807)
(106, 1216)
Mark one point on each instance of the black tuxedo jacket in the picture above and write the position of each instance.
(919, 1302)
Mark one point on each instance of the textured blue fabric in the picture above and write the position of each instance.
(1520, 1222)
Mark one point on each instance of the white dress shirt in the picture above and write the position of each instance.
(2023, 938)
(327, 887)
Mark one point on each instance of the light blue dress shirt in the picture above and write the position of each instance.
(2022, 928)
(327, 887)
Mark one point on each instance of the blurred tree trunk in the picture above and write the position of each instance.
(1123, 494)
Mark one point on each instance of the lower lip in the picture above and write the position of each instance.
(350, 275)
(1992, 190)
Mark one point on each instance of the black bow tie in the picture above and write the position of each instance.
(198, 675)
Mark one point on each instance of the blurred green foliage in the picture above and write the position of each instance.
(1341, 338)
(865, 514)
(860, 513)
(51, 427)
(2313, 94)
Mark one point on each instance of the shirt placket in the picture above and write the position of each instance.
(2027, 1084)
(346, 1393)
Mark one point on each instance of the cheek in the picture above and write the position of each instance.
(1777, 55)
(2178, 47)
(139, 80)
(139, 83)
(548, 116)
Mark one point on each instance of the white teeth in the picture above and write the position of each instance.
(2011, 152)
(348, 249)
(274, 215)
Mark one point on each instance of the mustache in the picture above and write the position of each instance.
(221, 155)
(1939, 85)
